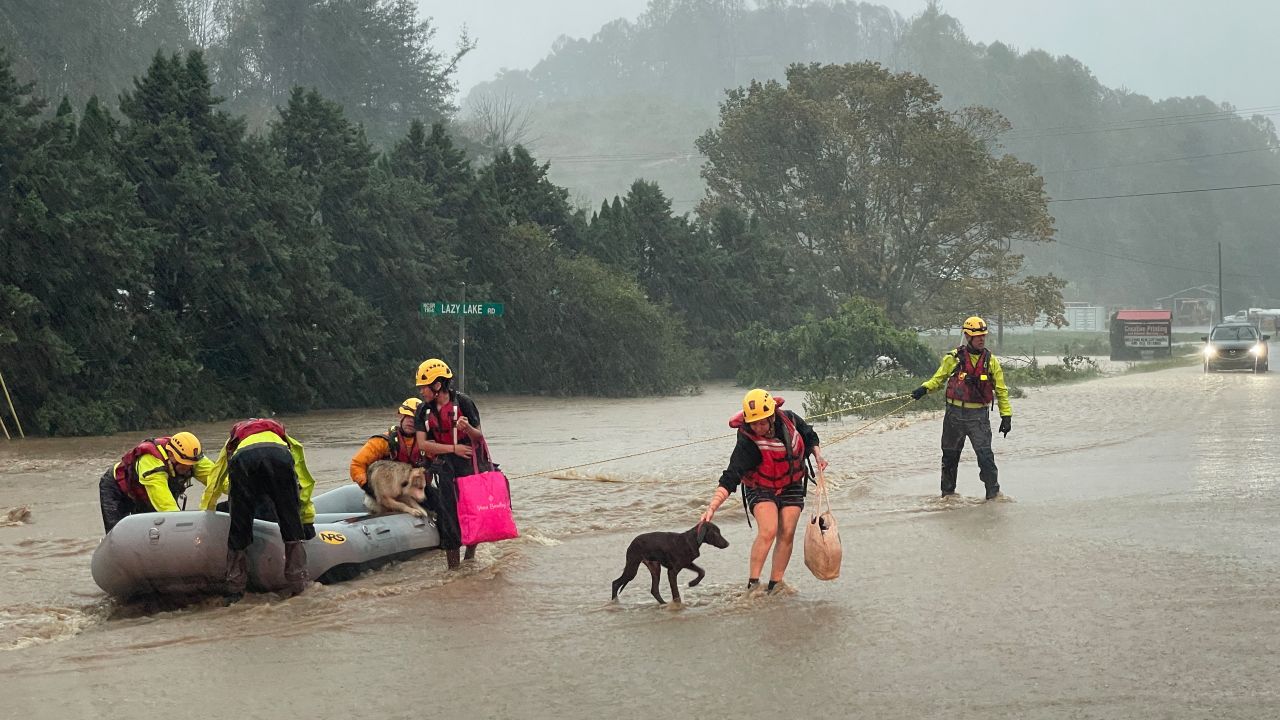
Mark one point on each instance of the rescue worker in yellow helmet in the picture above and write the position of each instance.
(974, 382)
(398, 443)
(260, 462)
(769, 462)
(152, 477)
(448, 426)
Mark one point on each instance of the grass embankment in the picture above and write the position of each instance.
(829, 397)
(1064, 343)
(1022, 369)
(1192, 356)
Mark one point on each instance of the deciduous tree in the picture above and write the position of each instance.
(891, 196)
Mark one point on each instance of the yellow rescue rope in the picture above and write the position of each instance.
(722, 437)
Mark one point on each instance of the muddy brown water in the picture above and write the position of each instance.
(1132, 573)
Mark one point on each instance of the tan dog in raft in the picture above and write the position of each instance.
(397, 487)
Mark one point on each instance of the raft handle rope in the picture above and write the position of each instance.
(721, 437)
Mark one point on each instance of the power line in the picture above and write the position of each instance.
(1127, 195)
(1157, 162)
(1261, 109)
(1166, 192)
(1147, 262)
(661, 156)
(1125, 125)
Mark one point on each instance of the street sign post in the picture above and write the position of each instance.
(462, 310)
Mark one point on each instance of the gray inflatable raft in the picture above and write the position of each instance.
(185, 553)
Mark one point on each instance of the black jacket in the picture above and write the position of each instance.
(746, 456)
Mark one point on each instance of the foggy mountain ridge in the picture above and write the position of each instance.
(629, 101)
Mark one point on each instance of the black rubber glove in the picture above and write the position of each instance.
(308, 531)
(1006, 423)
(919, 392)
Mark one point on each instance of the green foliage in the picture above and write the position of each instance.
(1064, 342)
(372, 57)
(862, 172)
(576, 327)
(857, 342)
(87, 49)
(1073, 368)
(831, 400)
(170, 265)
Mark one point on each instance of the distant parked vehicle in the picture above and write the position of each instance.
(1236, 346)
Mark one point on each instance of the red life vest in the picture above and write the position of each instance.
(127, 470)
(253, 426)
(971, 382)
(396, 450)
(781, 459)
(440, 425)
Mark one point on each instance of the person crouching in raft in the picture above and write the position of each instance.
(769, 462)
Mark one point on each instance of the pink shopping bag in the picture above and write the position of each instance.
(484, 503)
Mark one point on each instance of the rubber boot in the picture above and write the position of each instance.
(988, 472)
(237, 575)
(295, 567)
(950, 467)
(451, 558)
(470, 554)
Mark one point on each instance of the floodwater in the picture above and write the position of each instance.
(1132, 572)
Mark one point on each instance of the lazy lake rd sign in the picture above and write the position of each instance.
(448, 308)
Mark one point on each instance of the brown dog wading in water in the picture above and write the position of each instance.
(673, 551)
(397, 487)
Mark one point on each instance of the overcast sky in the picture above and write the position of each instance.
(1227, 48)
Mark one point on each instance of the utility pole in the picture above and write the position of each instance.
(1220, 307)
(462, 343)
(1006, 244)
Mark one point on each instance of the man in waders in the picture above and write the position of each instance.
(974, 381)
(260, 462)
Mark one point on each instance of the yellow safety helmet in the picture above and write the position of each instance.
(409, 406)
(974, 326)
(431, 370)
(757, 404)
(185, 448)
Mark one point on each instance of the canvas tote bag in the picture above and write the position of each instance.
(822, 552)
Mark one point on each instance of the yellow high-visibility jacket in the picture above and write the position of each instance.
(154, 477)
(219, 482)
(948, 366)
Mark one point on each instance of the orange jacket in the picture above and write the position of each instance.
(378, 448)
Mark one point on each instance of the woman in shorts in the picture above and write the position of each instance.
(769, 463)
